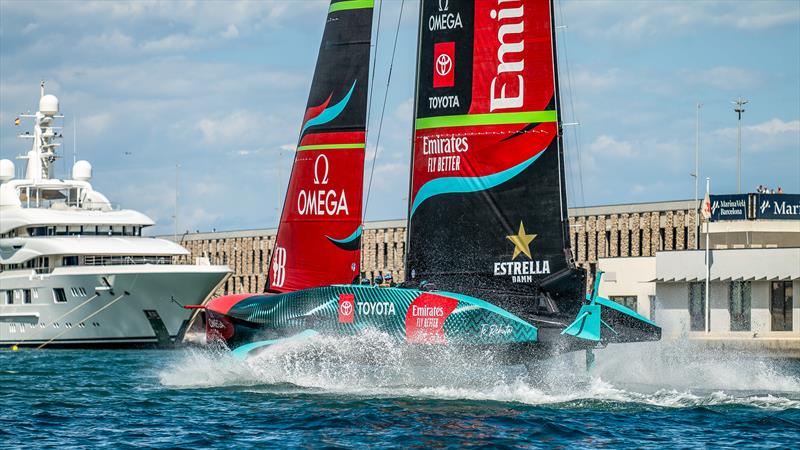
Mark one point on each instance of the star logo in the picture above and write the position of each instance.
(522, 242)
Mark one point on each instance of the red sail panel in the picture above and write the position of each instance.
(319, 236)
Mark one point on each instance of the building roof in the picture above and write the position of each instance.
(751, 264)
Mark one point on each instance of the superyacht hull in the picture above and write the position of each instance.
(103, 307)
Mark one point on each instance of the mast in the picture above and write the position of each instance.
(413, 140)
(42, 154)
(562, 180)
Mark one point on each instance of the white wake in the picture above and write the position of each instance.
(665, 374)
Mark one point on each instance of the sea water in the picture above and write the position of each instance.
(365, 391)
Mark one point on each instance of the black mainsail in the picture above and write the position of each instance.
(488, 212)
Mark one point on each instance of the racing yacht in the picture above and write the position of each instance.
(75, 270)
(488, 246)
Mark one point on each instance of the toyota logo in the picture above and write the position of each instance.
(346, 308)
(444, 64)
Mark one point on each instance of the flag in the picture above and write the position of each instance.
(16, 121)
(706, 209)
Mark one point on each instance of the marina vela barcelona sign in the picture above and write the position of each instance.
(729, 207)
(755, 206)
(778, 206)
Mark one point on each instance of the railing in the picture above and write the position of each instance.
(126, 260)
(63, 204)
(96, 261)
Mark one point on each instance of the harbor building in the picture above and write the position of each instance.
(753, 274)
(652, 254)
(627, 230)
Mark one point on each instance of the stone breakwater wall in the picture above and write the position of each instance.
(627, 230)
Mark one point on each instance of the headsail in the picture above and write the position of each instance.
(488, 213)
(318, 240)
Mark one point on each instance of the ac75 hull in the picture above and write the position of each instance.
(251, 323)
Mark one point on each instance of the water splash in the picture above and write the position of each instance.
(663, 374)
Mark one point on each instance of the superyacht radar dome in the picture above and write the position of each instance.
(82, 171)
(48, 105)
(6, 170)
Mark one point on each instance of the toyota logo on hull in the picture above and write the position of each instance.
(347, 308)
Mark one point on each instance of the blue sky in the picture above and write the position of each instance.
(220, 88)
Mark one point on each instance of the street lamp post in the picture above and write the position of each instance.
(739, 109)
(696, 176)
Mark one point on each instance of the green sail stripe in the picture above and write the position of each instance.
(486, 119)
(329, 146)
(351, 4)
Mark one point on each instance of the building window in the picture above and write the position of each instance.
(59, 295)
(628, 301)
(26, 297)
(697, 306)
(9, 297)
(780, 305)
(652, 307)
(739, 305)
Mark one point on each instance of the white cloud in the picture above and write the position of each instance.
(776, 126)
(724, 77)
(404, 110)
(585, 79)
(172, 43)
(231, 32)
(115, 41)
(774, 134)
(633, 20)
(609, 146)
(218, 130)
(95, 124)
(31, 27)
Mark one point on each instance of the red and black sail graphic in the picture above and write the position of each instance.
(488, 212)
(318, 240)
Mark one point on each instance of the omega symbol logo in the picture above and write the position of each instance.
(325, 167)
(279, 267)
(444, 64)
(443, 5)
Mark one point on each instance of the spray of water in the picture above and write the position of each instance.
(667, 374)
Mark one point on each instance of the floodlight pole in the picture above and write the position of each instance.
(708, 264)
(739, 109)
(696, 176)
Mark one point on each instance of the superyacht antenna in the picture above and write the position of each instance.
(175, 236)
(74, 139)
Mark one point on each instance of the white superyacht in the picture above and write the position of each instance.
(75, 271)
